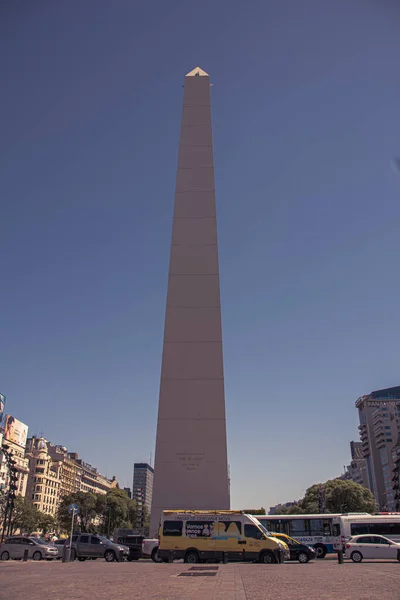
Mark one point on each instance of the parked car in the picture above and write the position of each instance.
(86, 545)
(15, 546)
(150, 549)
(60, 544)
(134, 543)
(371, 546)
(298, 551)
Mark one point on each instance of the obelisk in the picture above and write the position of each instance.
(191, 467)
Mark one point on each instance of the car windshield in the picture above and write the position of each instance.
(263, 529)
(39, 541)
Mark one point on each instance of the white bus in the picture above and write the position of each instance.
(312, 530)
(346, 526)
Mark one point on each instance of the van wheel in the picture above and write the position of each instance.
(320, 550)
(154, 556)
(110, 556)
(192, 557)
(267, 558)
(302, 557)
(356, 556)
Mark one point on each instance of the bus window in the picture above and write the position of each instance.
(299, 527)
(172, 528)
(379, 528)
(359, 528)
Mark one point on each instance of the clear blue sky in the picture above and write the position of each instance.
(306, 103)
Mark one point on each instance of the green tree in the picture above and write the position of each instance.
(295, 509)
(87, 503)
(46, 523)
(25, 516)
(339, 496)
(255, 511)
(116, 510)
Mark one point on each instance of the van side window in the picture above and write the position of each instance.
(172, 528)
(251, 531)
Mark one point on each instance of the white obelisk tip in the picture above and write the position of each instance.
(197, 72)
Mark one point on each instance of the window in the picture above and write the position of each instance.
(387, 427)
(84, 539)
(365, 540)
(251, 531)
(172, 528)
(13, 541)
(94, 540)
(379, 540)
(359, 528)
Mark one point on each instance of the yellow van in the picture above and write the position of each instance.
(199, 536)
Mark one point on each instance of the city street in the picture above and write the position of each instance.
(144, 580)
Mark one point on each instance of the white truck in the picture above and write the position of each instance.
(150, 549)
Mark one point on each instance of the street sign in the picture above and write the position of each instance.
(73, 509)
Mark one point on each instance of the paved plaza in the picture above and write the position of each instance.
(320, 580)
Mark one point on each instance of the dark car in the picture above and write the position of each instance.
(134, 543)
(298, 551)
(92, 546)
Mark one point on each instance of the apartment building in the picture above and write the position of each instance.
(45, 475)
(54, 472)
(379, 414)
(14, 441)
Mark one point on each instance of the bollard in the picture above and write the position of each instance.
(66, 554)
(26, 552)
(340, 557)
(224, 558)
(170, 557)
(121, 556)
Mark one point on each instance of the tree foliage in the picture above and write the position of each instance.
(99, 512)
(27, 518)
(338, 496)
(255, 511)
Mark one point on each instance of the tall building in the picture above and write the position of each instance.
(357, 469)
(44, 482)
(379, 414)
(191, 467)
(143, 475)
(14, 440)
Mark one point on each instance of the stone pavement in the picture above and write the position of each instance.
(97, 580)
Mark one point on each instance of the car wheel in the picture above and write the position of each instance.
(154, 556)
(109, 556)
(82, 558)
(5, 555)
(192, 557)
(267, 558)
(320, 550)
(37, 556)
(356, 556)
(303, 557)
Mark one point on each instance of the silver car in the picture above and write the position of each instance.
(38, 549)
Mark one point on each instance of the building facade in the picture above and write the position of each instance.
(143, 475)
(379, 414)
(54, 472)
(44, 482)
(14, 436)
